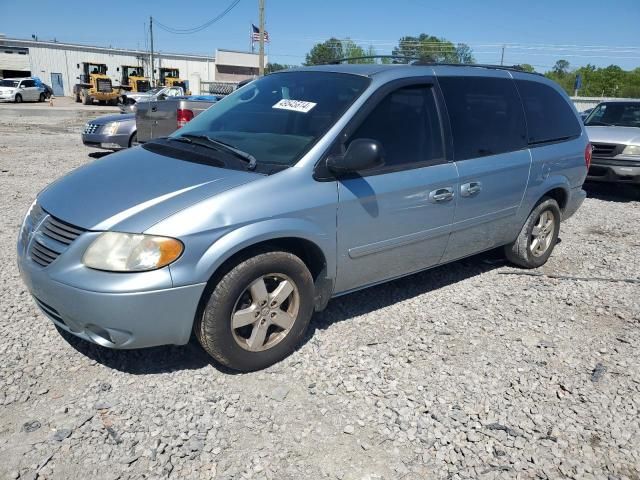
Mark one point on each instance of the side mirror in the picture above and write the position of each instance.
(362, 154)
(162, 96)
(21, 86)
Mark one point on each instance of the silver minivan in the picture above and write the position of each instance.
(298, 187)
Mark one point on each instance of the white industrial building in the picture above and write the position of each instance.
(58, 64)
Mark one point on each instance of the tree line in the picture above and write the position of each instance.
(611, 81)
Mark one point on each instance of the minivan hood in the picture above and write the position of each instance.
(132, 190)
(621, 135)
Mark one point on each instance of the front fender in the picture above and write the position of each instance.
(235, 240)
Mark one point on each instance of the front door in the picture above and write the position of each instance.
(397, 220)
(56, 84)
(490, 150)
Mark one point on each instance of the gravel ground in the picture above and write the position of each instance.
(467, 371)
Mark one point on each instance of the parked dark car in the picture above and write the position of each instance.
(111, 132)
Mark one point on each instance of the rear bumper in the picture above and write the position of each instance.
(608, 170)
(115, 320)
(576, 198)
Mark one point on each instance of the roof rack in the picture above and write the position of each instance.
(512, 68)
(419, 62)
(371, 57)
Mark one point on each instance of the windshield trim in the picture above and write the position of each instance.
(366, 84)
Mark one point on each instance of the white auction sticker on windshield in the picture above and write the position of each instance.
(295, 105)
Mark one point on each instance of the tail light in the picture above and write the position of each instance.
(184, 116)
(588, 150)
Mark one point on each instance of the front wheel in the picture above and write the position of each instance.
(18, 98)
(258, 312)
(538, 236)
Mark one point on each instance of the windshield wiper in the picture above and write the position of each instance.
(247, 157)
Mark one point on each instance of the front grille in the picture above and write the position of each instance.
(104, 85)
(51, 239)
(91, 128)
(606, 149)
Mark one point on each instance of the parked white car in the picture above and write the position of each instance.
(21, 90)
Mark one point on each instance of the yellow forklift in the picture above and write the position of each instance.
(170, 77)
(94, 84)
(133, 79)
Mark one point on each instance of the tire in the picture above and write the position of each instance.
(18, 98)
(78, 100)
(86, 98)
(42, 98)
(133, 140)
(543, 225)
(237, 348)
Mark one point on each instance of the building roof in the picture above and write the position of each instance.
(20, 42)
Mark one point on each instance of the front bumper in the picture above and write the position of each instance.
(7, 97)
(106, 142)
(614, 170)
(116, 320)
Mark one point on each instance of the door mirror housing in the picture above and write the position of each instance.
(362, 154)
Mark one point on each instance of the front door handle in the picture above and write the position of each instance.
(440, 195)
(470, 189)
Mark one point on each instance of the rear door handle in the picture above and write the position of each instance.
(440, 195)
(470, 189)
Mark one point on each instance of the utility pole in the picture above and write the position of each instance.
(502, 57)
(152, 76)
(261, 54)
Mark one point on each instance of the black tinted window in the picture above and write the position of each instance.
(549, 116)
(486, 116)
(406, 124)
(28, 83)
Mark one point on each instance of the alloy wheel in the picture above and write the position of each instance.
(542, 233)
(265, 312)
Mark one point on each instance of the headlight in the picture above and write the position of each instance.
(631, 150)
(129, 252)
(110, 128)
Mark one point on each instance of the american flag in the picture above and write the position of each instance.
(255, 34)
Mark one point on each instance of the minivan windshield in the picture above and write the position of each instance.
(9, 83)
(619, 114)
(277, 118)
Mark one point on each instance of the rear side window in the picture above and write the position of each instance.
(549, 117)
(486, 116)
(28, 83)
(407, 126)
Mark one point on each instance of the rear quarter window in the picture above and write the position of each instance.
(549, 116)
(486, 116)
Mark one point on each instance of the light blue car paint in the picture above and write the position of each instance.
(367, 229)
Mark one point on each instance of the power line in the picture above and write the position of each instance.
(189, 31)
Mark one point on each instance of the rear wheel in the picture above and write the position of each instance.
(42, 98)
(258, 312)
(18, 98)
(538, 236)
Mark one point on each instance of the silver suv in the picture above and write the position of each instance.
(20, 90)
(298, 187)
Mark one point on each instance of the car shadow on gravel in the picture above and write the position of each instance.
(386, 294)
(172, 358)
(99, 154)
(613, 192)
(145, 361)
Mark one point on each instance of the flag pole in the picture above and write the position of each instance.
(261, 11)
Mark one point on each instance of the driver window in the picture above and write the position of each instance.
(407, 126)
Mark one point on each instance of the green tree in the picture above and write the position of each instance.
(336, 49)
(428, 48)
(525, 67)
(274, 67)
(325, 52)
(561, 67)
